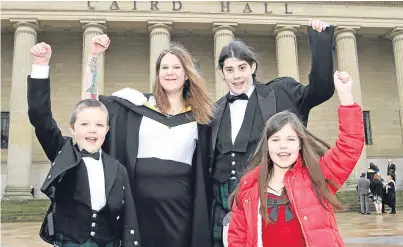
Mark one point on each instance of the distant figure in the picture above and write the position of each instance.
(377, 189)
(391, 170)
(363, 190)
(391, 194)
(372, 170)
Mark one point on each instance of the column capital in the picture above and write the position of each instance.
(279, 28)
(224, 27)
(396, 33)
(97, 24)
(346, 30)
(153, 25)
(26, 23)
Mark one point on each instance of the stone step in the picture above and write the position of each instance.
(35, 209)
(23, 210)
(22, 218)
(349, 199)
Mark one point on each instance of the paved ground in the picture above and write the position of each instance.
(357, 230)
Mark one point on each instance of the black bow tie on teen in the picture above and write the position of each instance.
(95, 155)
(232, 98)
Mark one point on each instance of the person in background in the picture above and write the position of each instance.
(377, 190)
(363, 190)
(391, 170)
(372, 170)
(391, 194)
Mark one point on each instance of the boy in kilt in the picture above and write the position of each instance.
(91, 199)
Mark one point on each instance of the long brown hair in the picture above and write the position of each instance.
(195, 91)
(312, 149)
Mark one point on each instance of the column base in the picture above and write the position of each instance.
(12, 192)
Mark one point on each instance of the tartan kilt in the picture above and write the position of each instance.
(220, 207)
(64, 241)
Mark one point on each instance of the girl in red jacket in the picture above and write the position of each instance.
(287, 196)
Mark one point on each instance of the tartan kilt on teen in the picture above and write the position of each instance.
(64, 241)
(220, 207)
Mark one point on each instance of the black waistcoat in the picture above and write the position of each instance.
(74, 217)
(232, 159)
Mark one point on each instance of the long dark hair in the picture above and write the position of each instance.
(238, 49)
(194, 91)
(312, 149)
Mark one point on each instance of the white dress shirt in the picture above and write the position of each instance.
(39, 71)
(95, 168)
(238, 109)
(96, 179)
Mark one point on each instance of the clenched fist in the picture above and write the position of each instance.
(41, 53)
(318, 25)
(99, 44)
(343, 84)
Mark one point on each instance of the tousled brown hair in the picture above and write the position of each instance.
(87, 103)
(196, 95)
(312, 149)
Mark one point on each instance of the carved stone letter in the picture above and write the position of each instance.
(154, 5)
(114, 6)
(176, 8)
(225, 6)
(247, 9)
(286, 9)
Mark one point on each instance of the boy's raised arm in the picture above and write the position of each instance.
(39, 105)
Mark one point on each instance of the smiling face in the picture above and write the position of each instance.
(284, 146)
(237, 75)
(90, 128)
(172, 74)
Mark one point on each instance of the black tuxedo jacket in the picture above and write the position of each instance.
(72, 207)
(285, 93)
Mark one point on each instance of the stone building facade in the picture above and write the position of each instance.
(368, 44)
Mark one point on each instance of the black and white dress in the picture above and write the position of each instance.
(167, 165)
(162, 182)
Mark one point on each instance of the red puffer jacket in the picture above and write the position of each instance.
(318, 224)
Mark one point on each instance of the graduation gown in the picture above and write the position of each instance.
(122, 142)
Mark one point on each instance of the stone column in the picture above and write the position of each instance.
(223, 34)
(20, 132)
(286, 49)
(160, 38)
(347, 60)
(91, 29)
(397, 40)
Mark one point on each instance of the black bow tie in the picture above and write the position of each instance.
(95, 155)
(232, 98)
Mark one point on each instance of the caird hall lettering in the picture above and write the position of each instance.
(225, 6)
